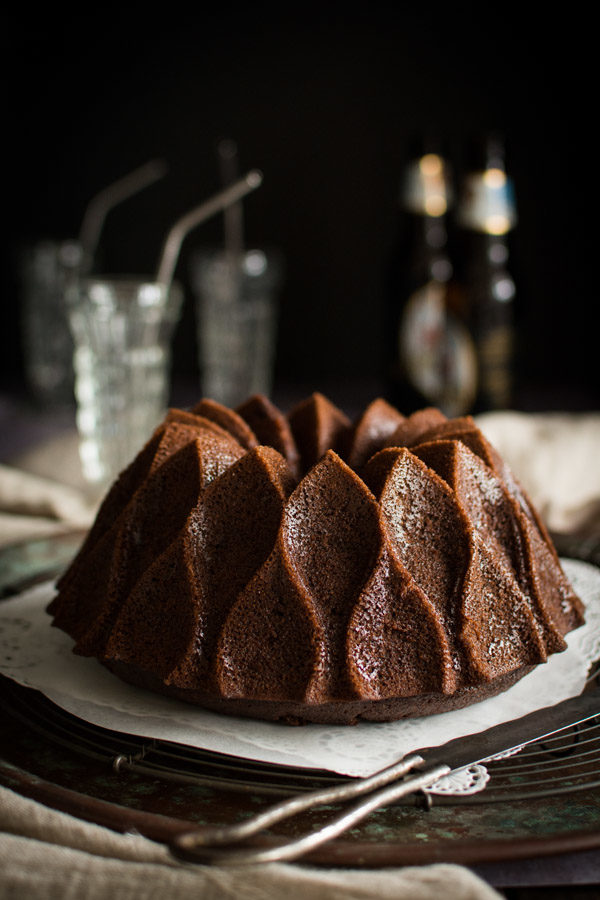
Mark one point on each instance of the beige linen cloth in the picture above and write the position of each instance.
(48, 854)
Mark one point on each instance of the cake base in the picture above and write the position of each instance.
(341, 712)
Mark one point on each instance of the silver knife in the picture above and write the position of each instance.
(207, 845)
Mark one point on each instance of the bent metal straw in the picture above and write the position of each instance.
(100, 205)
(197, 216)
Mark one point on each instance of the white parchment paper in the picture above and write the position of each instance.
(38, 656)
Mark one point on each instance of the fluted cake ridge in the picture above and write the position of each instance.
(304, 567)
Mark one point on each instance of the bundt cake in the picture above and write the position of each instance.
(310, 568)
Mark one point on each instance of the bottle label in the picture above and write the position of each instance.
(495, 357)
(437, 352)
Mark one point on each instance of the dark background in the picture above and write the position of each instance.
(323, 100)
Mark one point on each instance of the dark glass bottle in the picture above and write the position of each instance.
(430, 359)
(486, 215)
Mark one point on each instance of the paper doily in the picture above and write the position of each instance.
(39, 656)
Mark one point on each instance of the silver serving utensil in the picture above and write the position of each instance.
(207, 845)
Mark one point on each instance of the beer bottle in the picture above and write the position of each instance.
(486, 215)
(430, 357)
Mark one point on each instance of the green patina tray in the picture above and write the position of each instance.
(544, 805)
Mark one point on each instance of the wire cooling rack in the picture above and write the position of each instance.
(564, 763)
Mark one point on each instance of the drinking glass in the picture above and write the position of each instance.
(49, 271)
(236, 316)
(122, 330)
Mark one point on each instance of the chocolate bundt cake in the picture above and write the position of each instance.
(307, 568)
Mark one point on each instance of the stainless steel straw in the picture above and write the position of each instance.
(197, 216)
(100, 205)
